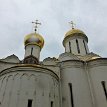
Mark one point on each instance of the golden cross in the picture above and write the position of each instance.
(36, 24)
(72, 24)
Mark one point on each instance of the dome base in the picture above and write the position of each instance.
(30, 60)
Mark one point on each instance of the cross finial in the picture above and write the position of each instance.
(72, 24)
(36, 25)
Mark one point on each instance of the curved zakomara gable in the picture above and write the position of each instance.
(27, 67)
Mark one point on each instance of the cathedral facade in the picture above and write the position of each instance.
(77, 78)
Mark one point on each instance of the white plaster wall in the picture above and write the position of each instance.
(98, 73)
(73, 46)
(19, 86)
(81, 46)
(11, 60)
(36, 51)
(81, 91)
(67, 47)
(55, 69)
(5, 65)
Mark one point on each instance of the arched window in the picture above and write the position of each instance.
(70, 47)
(85, 46)
(78, 49)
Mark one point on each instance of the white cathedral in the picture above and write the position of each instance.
(78, 78)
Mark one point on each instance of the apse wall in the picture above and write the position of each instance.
(29, 87)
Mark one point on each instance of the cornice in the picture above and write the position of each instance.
(97, 62)
(71, 64)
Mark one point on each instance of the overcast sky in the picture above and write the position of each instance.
(16, 16)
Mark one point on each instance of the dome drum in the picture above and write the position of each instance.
(74, 33)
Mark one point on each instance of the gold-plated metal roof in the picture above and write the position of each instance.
(95, 57)
(73, 31)
(34, 39)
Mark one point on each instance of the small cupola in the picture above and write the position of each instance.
(75, 42)
(33, 42)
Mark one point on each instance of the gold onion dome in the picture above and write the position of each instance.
(34, 39)
(75, 32)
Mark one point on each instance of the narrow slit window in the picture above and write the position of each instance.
(78, 49)
(65, 49)
(29, 103)
(104, 88)
(85, 46)
(51, 103)
(71, 95)
(31, 51)
(70, 47)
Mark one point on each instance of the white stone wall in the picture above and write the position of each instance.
(18, 85)
(5, 65)
(74, 72)
(98, 73)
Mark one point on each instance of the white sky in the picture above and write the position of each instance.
(16, 17)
